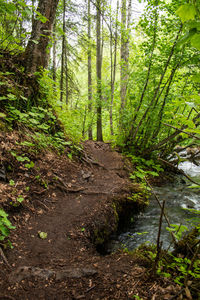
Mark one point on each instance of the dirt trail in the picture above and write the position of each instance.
(74, 211)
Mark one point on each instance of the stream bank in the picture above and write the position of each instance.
(181, 202)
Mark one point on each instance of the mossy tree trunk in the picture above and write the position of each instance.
(36, 53)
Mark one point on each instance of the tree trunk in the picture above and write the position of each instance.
(62, 56)
(66, 76)
(33, 13)
(98, 67)
(125, 20)
(113, 67)
(54, 53)
(37, 54)
(90, 135)
(123, 55)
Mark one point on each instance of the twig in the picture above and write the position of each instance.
(175, 296)
(44, 205)
(91, 288)
(164, 214)
(159, 245)
(39, 193)
(4, 258)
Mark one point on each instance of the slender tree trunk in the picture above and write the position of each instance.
(98, 70)
(123, 70)
(125, 35)
(90, 135)
(113, 67)
(66, 76)
(33, 13)
(63, 55)
(54, 53)
(36, 54)
(155, 99)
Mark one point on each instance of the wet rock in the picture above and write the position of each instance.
(3, 176)
(86, 175)
(75, 273)
(24, 272)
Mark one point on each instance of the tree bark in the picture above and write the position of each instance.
(113, 62)
(63, 56)
(36, 53)
(66, 75)
(125, 35)
(90, 135)
(123, 55)
(98, 70)
(54, 53)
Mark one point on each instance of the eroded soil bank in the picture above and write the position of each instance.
(78, 204)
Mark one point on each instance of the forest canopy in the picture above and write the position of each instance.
(116, 71)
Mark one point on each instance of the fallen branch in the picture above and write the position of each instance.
(178, 170)
(188, 133)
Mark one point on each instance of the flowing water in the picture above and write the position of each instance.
(179, 198)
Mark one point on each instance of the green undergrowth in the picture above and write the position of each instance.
(34, 123)
(5, 227)
(183, 270)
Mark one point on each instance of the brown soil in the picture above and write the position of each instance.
(75, 203)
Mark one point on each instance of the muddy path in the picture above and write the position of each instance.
(77, 210)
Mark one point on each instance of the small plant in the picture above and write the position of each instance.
(17, 202)
(30, 165)
(11, 183)
(178, 230)
(136, 297)
(5, 227)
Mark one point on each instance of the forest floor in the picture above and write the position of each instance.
(71, 201)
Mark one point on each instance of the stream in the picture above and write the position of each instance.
(179, 198)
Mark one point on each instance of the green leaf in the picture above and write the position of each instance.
(195, 41)
(33, 121)
(2, 115)
(141, 233)
(40, 17)
(186, 12)
(187, 37)
(3, 213)
(11, 182)
(194, 186)
(35, 42)
(42, 235)
(22, 159)
(20, 199)
(4, 230)
(29, 166)
(24, 98)
(11, 97)
(43, 126)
